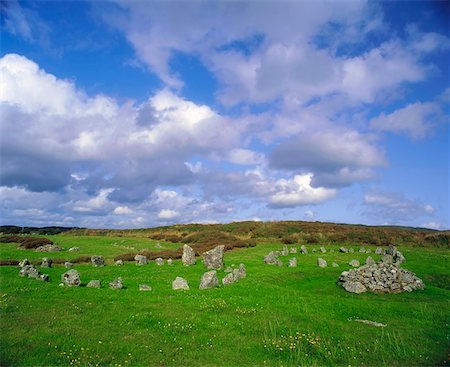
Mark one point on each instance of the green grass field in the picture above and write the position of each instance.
(277, 316)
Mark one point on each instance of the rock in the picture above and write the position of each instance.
(140, 260)
(94, 284)
(321, 263)
(188, 257)
(29, 271)
(72, 249)
(169, 262)
(362, 250)
(335, 265)
(271, 258)
(68, 265)
(159, 261)
(370, 261)
(350, 250)
(46, 262)
(228, 269)
(322, 250)
(213, 259)
(293, 250)
(119, 262)
(48, 248)
(228, 279)
(379, 251)
(314, 250)
(97, 260)
(116, 283)
(180, 283)
(209, 280)
(303, 249)
(343, 249)
(354, 263)
(71, 278)
(239, 273)
(371, 323)
(285, 251)
(293, 262)
(354, 287)
(144, 287)
(368, 251)
(44, 278)
(23, 263)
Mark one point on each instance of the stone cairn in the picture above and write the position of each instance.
(385, 276)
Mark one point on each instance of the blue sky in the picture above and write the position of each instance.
(125, 114)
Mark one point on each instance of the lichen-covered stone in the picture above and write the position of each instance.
(293, 250)
(68, 265)
(370, 261)
(228, 279)
(322, 250)
(209, 280)
(119, 262)
(303, 249)
(140, 260)
(213, 259)
(94, 284)
(354, 263)
(240, 273)
(343, 249)
(46, 262)
(180, 283)
(321, 263)
(159, 261)
(188, 257)
(97, 260)
(23, 263)
(74, 249)
(116, 283)
(144, 287)
(169, 262)
(292, 262)
(71, 278)
(48, 248)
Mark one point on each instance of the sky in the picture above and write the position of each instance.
(133, 114)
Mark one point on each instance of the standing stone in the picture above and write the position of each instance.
(144, 287)
(228, 279)
(322, 250)
(351, 250)
(73, 249)
(71, 278)
(68, 265)
(209, 280)
(46, 262)
(354, 262)
(159, 261)
(94, 284)
(285, 251)
(335, 265)
(321, 263)
(97, 260)
(293, 262)
(271, 258)
(188, 257)
(379, 251)
(169, 262)
(293, 250)
(362, 250)
(119, 262)
(240, 273)
(303, 249)
(213, 259)
(370, 261)
(116, 283)
(23, 263)
(368, 251)
(343, 249)
(140, 260)
(180, 283)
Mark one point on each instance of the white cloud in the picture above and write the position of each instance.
(168, 214)
(122, 210)
(99, 202)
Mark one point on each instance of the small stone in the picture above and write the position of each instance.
(94, 284)
(23, 263)
(293, 262)
(354, 263)
(116, 283)
(73, 249)
(213, 259)
(140, 260)
(209, 280)
(97, 260)
(321, 263)
(169, 262)
(323, 250)
(314, 250)
(29, 271)
(119, 262)
(71, 278)
(228, 279)
(293, 250)
(159, 261)
(285, 251)
(271, 258)
(303, 249)
(228, 269)
(362, 250)
(188, 257)
(46, 262)
(44, 278)
(144, 287)
(68, 265)
(370, 261)
(180, 283)
(379, 251)
(335, 265)
(368, 251)
(343, 249)
(240, 273)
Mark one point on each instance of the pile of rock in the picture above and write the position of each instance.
(30, 271)
(48, 248)
(386, 276)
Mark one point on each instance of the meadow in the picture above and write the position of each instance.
(276, 316)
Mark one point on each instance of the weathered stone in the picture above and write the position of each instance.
(140, 260)
(180, 283)
(23, 263)
(119, 262)
(44, 278)
(379, 251)
(362, 250)
(271, 258)
(321, 263)
(370, 261)
(116, 283)
(354, 287)
(228, 279)
(354, 263)
(159, 261)
(343, 249)
(285, 251)
(213, 259)
(94, 284)
(73, 249)
(48, 248)
(68, 265)
(46, 262)
(293, 262)
(293, 250)
(97, 260)
(368, 251)
(71, 278)
(228, 269)
(322, 250)
(303, 249)
(29, 271)
(169, 262)
(240, 273)
(144, 287)
(335, 265)
(188, 257)
(209, 280)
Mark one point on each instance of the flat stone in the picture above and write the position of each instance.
(48, 248)
(73, 249)
(209, 280)
(180, 283)
(354, 287)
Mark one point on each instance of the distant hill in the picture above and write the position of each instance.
(35, 230)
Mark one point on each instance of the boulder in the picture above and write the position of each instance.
(209, 280)
(23, 263)
(169, 262)
(48, 248)
(180, 283)
(119, 262)
(354, 263)
(159, 261)
(322, 250)
(228, 279)
(213, 259)
(46, 262)
(97, 260)
(293, 250)
(71, 278)
(321, 263)
(140, 260)
(303, 249)
(116, 283)
(293, 262)
(73, 249)
(68, 265)
(240, 273)
(144, 287)
(335, 265)
(94, 284)
(188, 257)
(343, 249)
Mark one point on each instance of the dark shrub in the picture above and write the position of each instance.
(34, 242)
(81, 259)
(9, 262)
(12, 239)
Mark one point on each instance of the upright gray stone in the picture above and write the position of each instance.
(285, 251)
(303, 249)
(188, 257)
(368, 251)
(29, 271)
(314, 250)
(228, 269)
(321, 263)
(209, 280)
(169, 262)
(351, 250)
(140, 260)
(180, 283)
(46, 262)
(159, 261)
(293, 262)
(97, 260)
(271, 258)
(354, 263)
(362, 250)
(379, 251)
(116, 283)
(94, 284)
(240, 273)
(228, 279)
(213, 259)
(119, 262)
(293, 250)
(71, 278)
(322, 250)
(343, 249)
